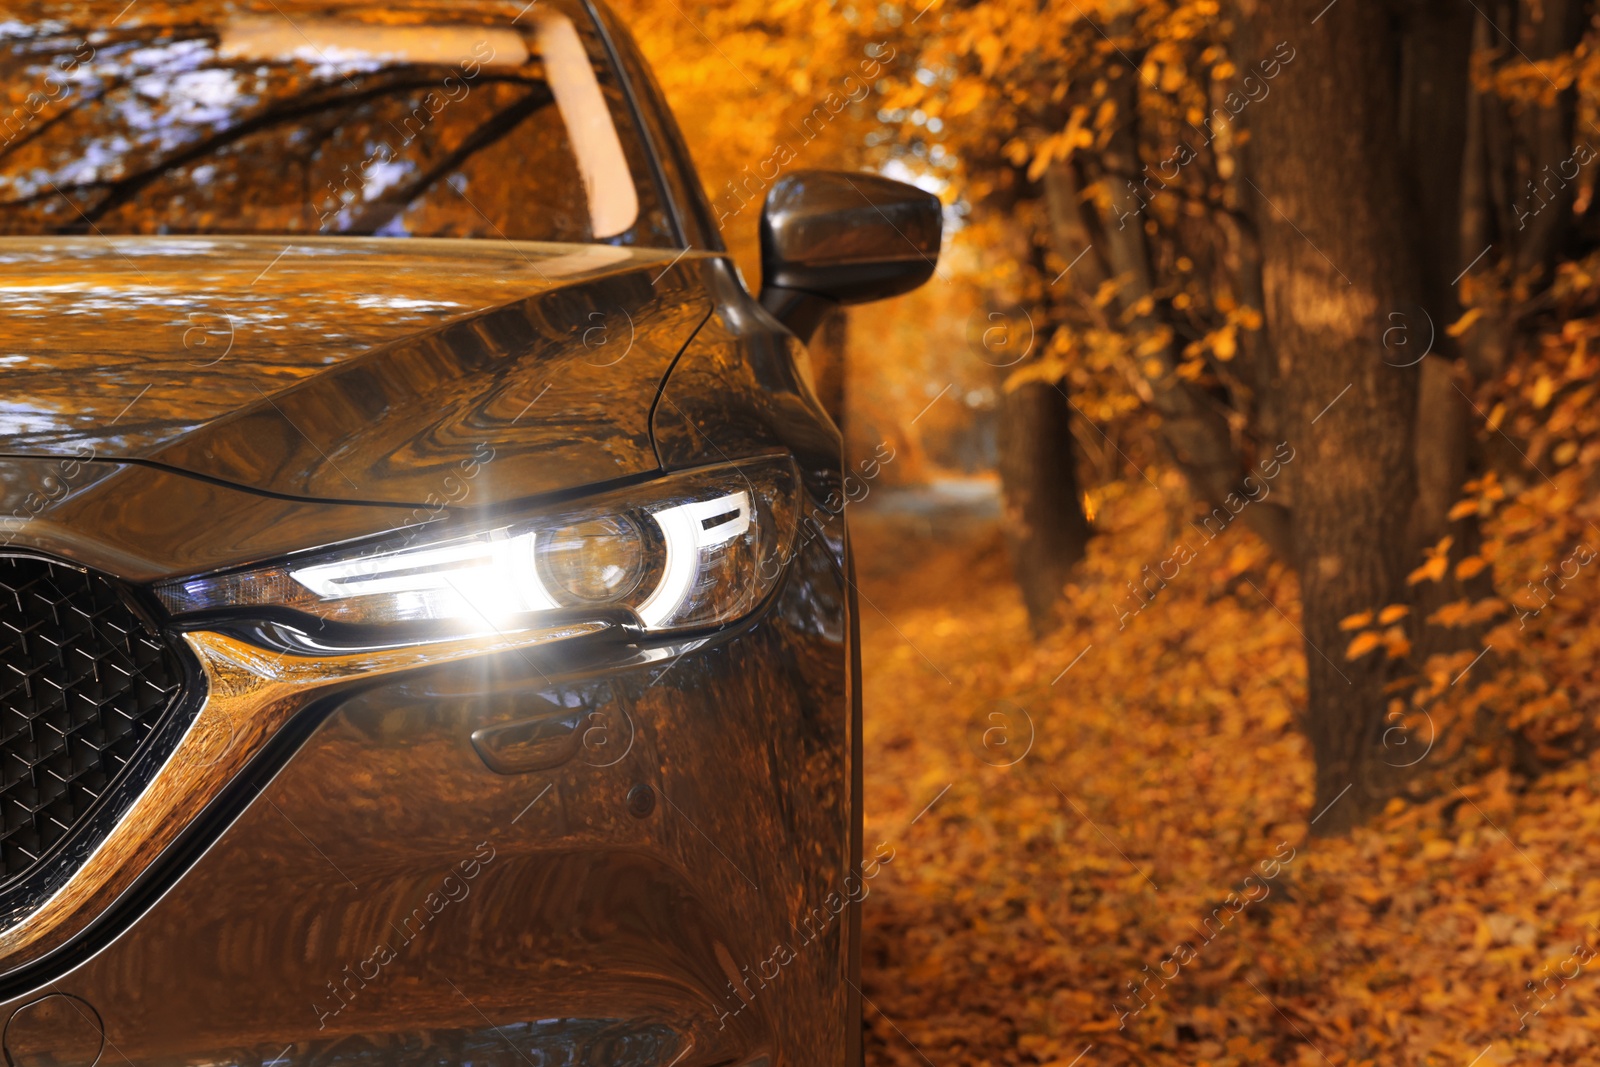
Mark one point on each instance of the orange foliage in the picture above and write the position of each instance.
(1146, 763)
(1161, 775)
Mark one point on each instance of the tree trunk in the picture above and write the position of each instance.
(1446, 457)
(1047, 533)
(1334, 227)
(1045, 527)
(1519, 185)
(1435, 119)
(1435, 88)
(1194, 428)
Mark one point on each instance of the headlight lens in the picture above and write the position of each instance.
(686, 552)
(598, 561)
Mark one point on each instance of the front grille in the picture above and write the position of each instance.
(83, 682)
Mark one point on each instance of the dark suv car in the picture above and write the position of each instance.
(426, 632)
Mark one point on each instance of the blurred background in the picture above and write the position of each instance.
(1226, 559)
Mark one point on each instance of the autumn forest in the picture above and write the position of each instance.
(1223, 513)
(1254, 722)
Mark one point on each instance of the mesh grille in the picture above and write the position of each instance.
(83, 682)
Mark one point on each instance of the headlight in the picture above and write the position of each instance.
(686, 552)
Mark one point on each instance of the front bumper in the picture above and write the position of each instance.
(381, 894)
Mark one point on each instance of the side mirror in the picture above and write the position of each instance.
(829, 238)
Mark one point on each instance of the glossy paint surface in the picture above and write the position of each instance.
(344, 369)
(830, 238)
(851, 237)
(447, 862)
(714, 928)
(251, 689)
(143, 523)
(388, 890)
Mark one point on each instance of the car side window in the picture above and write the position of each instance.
(303, 123)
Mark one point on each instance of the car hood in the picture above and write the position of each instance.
(417, 372)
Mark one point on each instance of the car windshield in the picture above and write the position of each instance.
(449, 120)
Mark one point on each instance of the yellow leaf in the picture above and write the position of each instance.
(1041, 162)
(1438, 563)
(1471, 567)
(1393, 613)
(1225, 346)
(1528, 599)
(1488, 608)
(1543, 390)
(1356, 622)
(1452, 614)
(1154, 343)
(989, 48)
(966, 95)
(1097, 1027)
(1437, 850)
(1463, 509)
(1430, 571)
(1363, 644)
(1464, 323)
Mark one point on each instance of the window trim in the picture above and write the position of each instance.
(676, 209)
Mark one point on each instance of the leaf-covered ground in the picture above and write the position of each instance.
(1143, 818)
